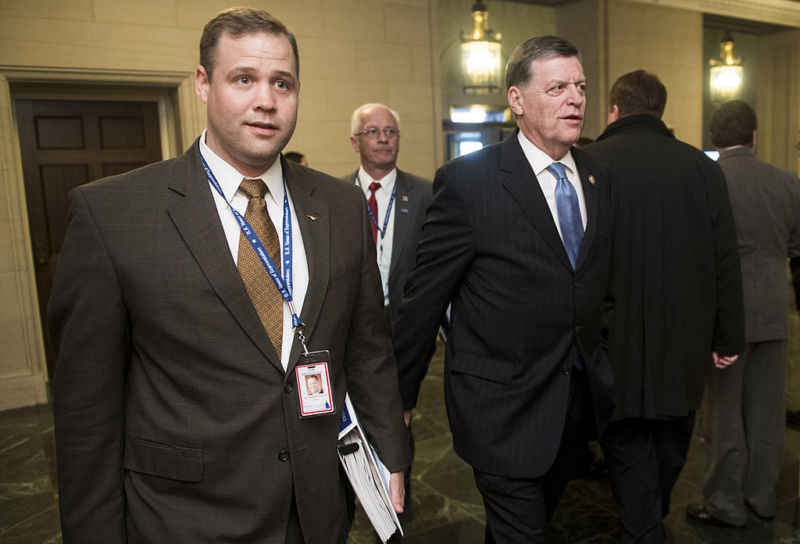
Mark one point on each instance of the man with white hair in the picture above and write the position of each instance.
(396, 204)
(396, 200)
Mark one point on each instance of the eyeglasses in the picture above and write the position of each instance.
(373, 132)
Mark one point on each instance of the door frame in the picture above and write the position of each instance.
(23, 378)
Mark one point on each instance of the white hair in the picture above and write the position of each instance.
(355, 121)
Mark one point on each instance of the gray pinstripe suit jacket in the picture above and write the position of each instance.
(766, 207)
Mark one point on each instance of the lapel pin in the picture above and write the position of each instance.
(405, 198)
(591, 179)
(314, 217)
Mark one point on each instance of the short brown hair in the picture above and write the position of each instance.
(733, 123)
(239, 21)
(637, 93)
(518, 67)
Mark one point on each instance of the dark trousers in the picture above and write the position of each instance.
(407, 514)
(518, 509)
(644, 459)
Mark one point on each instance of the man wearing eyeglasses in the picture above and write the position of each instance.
(396, 200)
(396, 204)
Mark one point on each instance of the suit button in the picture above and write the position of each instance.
(578, 329)
(283, 456)
(289, 387)
(565, 370)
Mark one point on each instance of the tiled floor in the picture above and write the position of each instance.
(447, 508)
(28, 501)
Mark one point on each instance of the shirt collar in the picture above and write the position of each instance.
(387, 182)
(230, 178)
(539, 160)
(724, 149)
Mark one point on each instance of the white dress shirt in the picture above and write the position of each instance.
(382, 197)
(229, 179)
(539, 161)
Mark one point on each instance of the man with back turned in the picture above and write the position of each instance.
(675, 297)
(746, 425)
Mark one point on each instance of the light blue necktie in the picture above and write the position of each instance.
(569, 212)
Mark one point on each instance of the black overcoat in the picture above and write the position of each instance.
(676, 291)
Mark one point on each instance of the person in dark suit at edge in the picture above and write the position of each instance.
(177, 404)
(521, 247)
(793, 416)
(296, 156)
(396, 204)
(675, 297)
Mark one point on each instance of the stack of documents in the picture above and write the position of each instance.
(368, 476)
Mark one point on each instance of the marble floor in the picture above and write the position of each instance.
(446, 506)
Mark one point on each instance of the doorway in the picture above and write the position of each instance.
(64, 144)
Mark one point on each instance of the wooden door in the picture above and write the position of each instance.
(64, 144)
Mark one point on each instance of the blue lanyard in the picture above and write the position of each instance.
(284, 284)
(388, 210)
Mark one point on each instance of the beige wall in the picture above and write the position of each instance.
(351, 52)
(583, 23)
(364, 51)
(619, 36)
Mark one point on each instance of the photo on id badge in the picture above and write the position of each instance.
(313, 385)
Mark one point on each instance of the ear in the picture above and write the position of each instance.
(354, 142)
(755, 134)
(613, 115)
(201, 83)
(515, 100)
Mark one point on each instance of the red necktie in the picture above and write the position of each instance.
(373, 205)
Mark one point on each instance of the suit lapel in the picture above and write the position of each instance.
(405, 207)
(314, 221)
(524, 188)
(195, 216)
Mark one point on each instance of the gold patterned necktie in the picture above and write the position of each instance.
(266, 298)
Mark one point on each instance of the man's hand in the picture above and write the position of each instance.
(397, 491)
(407, 417)
(723, 362)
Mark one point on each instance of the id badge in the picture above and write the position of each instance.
(314, 384)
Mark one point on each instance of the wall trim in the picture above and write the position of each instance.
(26, 383)
(779, 12)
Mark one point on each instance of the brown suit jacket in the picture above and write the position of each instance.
(175, 421)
